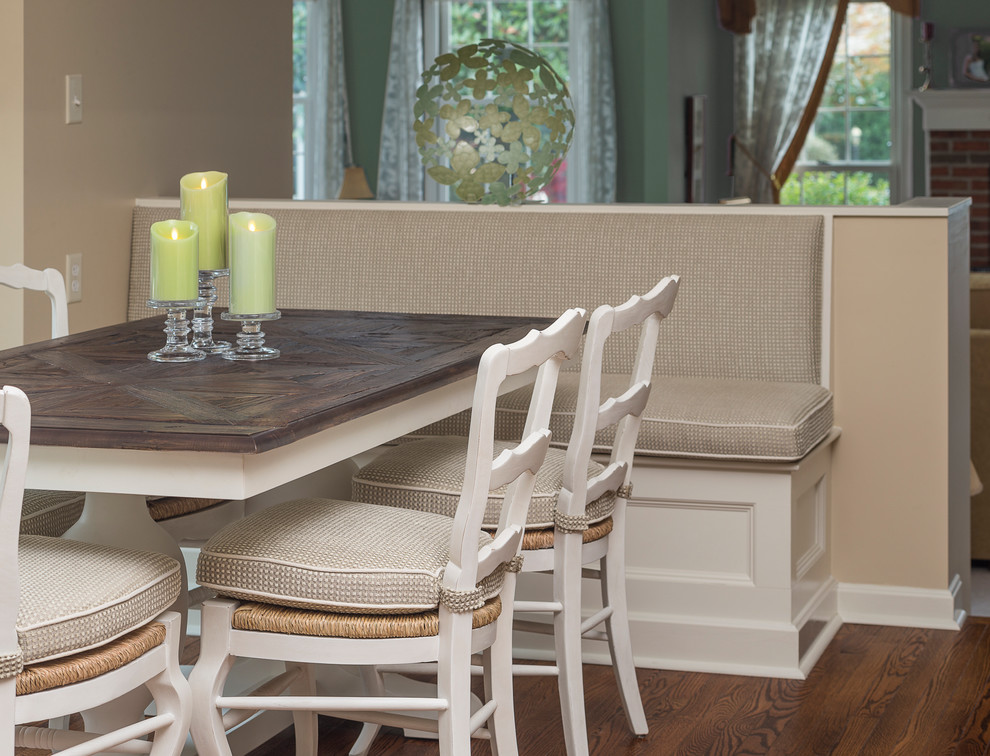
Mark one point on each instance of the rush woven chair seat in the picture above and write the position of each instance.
(578, 511)
(81, 625)
(343, 582)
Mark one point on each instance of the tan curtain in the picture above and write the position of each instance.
(776, 68)
(736, 16)
(786, 164)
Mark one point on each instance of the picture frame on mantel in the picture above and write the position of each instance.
(970, 64)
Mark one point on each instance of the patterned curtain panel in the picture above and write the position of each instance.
(330, 141)
(591, 160)
(400, 173)
(776, 67)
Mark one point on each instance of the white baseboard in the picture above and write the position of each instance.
(900, 606)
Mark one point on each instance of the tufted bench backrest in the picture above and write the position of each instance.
(749, 306)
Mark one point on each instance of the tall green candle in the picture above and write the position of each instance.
(252, 264)
(174, 261)
(203, 200)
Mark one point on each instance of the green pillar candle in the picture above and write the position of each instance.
(203, 200)
(174, 261)
(252, 264)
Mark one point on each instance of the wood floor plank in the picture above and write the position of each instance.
(875, 691)
(939, 715)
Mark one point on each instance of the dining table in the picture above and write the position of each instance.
(111, 422)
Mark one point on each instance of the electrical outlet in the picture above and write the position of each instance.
(73, 277)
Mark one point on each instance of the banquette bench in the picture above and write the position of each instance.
(727, 555)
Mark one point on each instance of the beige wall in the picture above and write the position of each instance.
(168, 88)
(900, 377)
(11, 162)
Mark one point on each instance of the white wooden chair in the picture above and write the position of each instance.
(81, 625)
(45, 512)
(326, 581)
(578, 512)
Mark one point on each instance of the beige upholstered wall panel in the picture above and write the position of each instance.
(748, 306)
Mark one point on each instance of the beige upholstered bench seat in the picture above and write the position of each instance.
(427, 475)
(336, 556)
(76, 596)
(707, 418)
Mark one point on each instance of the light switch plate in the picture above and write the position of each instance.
(73, 98)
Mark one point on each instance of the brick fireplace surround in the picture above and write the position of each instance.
(959, 166)
(957, 157)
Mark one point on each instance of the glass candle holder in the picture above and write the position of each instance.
(177, 347)
(251, 339)
(202, 322)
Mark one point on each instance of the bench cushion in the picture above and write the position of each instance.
(339, 556)
(427, 475)
(689, 417)
(75, 595)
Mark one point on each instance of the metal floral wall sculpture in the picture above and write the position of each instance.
(493, 122)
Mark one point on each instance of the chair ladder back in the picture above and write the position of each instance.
(649, 309)
(543, 351)
(623, 411)
(15, 411)
(49, 281)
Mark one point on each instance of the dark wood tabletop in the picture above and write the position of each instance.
(98, 390)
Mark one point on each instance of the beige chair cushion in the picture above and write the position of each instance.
(689, 417)
(335, 555)
(427, 476)
(50, 513)
(75, 596)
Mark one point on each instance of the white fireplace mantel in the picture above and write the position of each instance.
(954, 109)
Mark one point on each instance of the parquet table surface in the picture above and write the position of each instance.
(98, 390)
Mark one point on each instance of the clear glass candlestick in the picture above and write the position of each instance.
(251, 339)
(177, 347)
(202, 322)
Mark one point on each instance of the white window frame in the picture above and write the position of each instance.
(436, 22)
(305, 164)
(900, 167)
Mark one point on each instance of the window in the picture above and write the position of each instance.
(850, 156)
(305, 43)
(541, 25)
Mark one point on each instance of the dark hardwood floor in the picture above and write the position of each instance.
(876, 691)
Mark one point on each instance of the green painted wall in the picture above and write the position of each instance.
(650, 90)
(367, 34)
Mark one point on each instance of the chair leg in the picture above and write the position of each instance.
(305, 723)
(567, 640)
(374, 685)
(497, 664)
(454, 684)
(208, 677)
(171, 693)
(617, 627)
